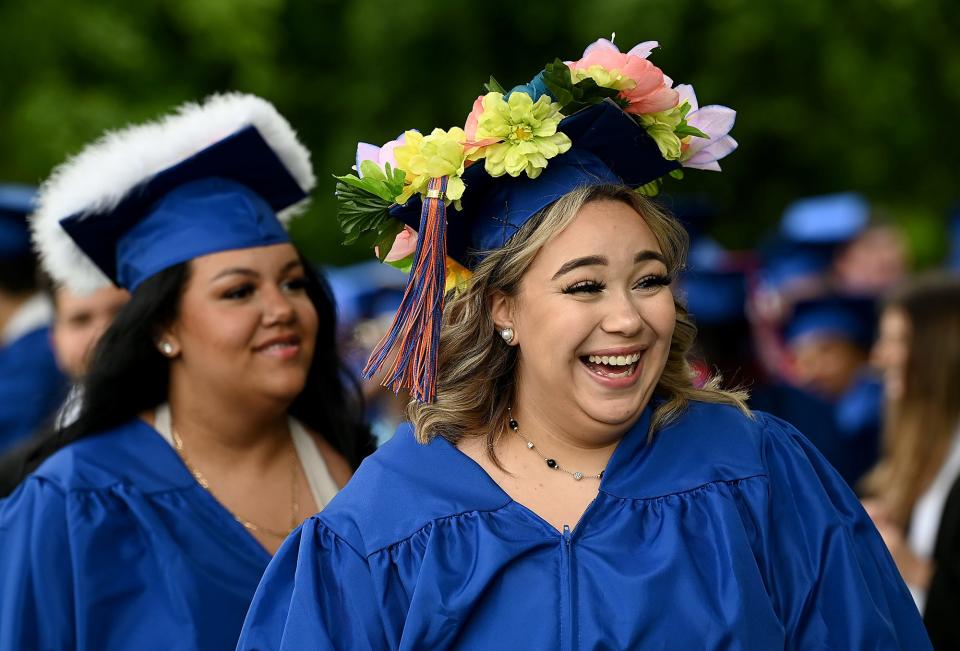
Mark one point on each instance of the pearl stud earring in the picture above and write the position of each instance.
(166, 348)
(507, 334)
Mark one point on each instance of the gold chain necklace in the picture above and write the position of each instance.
(249, 525)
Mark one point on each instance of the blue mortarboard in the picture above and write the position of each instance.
(608, 146)
(715, 297)
(714, 287)
(953, 261)
(224, 197)
(16, 202)
(211, 177)
(365, 290)
(848, 317)
(786, 261)
(827, 219)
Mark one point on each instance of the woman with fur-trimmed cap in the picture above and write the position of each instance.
(214, 414)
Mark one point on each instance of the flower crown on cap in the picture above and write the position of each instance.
(510, 133)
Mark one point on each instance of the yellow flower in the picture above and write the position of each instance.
(661, 127)
(525, 133)
(428, 157)
(457, 276)
(606, 78)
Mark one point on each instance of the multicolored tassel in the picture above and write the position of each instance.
(415, 332)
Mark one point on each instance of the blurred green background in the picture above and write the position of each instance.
(831, 95)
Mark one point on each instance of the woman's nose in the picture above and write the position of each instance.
(623, 316)
(277, 308)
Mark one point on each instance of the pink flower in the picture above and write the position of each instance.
(403, 245)
(715, 121)
(378, 155)
(641, 84)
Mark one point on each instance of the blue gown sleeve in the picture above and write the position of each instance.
(830, 576)
(317, 593)
(36, 571)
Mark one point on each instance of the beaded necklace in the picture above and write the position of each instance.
(551, 463)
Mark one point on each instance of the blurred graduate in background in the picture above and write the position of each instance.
(367, 296)
(79, 320)
(913, 494)
(812, 312)
(31, 386)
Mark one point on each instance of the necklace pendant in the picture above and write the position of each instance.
(578, 475)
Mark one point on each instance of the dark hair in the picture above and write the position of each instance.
(18, 275)
(128, 375)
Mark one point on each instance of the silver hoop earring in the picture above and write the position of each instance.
(166, 348)
(507, 334)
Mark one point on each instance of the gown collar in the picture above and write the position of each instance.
(459, 479)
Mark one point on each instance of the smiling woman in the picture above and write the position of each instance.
(542, 281)
(214, 415)
(563, 484)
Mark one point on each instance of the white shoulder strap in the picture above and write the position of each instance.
(321, 483)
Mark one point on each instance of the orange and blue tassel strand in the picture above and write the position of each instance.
(415, 332)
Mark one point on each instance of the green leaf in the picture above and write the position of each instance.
(493, 86)
(386, 233)
(371, 171)
(556, 77)
(386, 183)
(575, 96)
(360, 213)
(684, 130)
(586, 93)
(677, 174)
(650, 189)
(404, 265)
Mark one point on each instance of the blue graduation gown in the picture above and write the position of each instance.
(724, 533)
(111, 544)
(31, 386)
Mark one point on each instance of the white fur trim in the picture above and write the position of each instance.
(100, 176)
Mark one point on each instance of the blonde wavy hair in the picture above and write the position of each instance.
(476, 371)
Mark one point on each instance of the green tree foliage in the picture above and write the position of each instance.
(831, 95)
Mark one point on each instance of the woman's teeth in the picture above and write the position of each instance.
(613, 366)
(615, 360)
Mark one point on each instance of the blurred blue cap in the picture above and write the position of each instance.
(715, 297)
(608, 146)
(785, 262)
(365, 290)
(954, 226)
(222, 198)
(847, 317)
(714, 288)
(16, 203)
(697, 212)
(827, 219)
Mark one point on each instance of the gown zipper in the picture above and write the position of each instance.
(566, 591)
